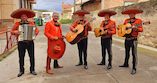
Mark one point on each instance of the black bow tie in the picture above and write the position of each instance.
(24, 22)
(57, 24)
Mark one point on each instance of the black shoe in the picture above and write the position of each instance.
(79, 64)
(109, 67)
(33, 73)
(20, 74)
(124, 66)
(56, 67)
(101, 63)
(85, 67)
(133, 71)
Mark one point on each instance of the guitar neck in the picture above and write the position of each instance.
(88, 21)
(144, 23)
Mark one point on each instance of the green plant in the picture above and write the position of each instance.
(66, 21)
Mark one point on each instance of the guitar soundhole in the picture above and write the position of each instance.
(76, 30)
(127, 28)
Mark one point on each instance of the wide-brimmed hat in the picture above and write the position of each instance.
(132, 11)
(57, 49)
(81, 12)
(17, 13)
(102, 13)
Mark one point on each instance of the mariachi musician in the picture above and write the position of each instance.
(24, 45)
(82, 44)
(131, 39)
(109, 28)
(53, 32)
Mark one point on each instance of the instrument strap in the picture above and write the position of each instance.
(107, 22)
(83, 22)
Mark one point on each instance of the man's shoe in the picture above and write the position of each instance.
(124, 66)
(79, 64)
(58, 66)
(133, 71)
(49, 71)
(109, 67)
(33, 73)
(85, 67)
(20, 74)
(101, 63)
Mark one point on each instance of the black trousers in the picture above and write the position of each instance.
(106, 44)
(55, 63)
(22, 47)
(82, 49)
(131, 44)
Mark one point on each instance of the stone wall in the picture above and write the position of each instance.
(111, 3)
(92, 6)
(149, 36)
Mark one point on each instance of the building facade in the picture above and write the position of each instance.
(8, 6)
(78, 3)
(92, 5)
(67, 10)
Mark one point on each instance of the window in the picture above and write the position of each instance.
(128, 3)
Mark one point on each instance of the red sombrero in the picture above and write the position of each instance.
(81, 12)
(102, 13)
(57, 49)
(17, 13)
(132, 11)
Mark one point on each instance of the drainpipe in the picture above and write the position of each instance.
(102, 4)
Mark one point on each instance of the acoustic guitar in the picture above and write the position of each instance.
(99, 32)
(74, 37)
(127, 28)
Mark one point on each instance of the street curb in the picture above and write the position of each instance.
(6, 54)
(139, 45)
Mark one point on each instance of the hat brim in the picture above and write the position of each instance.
(102, 13)
(17, 13)
(81, 12)
(132, 11)
(57, 53)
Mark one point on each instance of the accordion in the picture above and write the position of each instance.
(27, 32)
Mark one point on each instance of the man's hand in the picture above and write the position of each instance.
(102, 29)
(135, 29)
(54, 38)
(104, 32)
(74, 30)
(63, 36)
(16, 32)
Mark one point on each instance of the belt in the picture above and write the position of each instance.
(26, 41)
(104, 37)
(131, 38)
(84, 37)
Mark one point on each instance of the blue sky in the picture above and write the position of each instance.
(51, 4)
